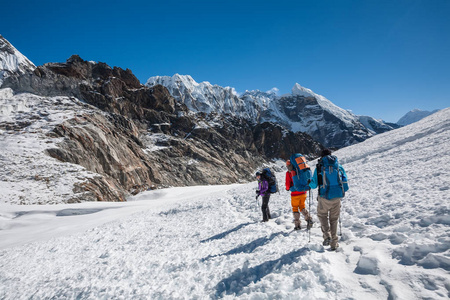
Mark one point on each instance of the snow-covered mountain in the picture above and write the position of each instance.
(301, 110)
(414, 116)
(12, 61)
(206, 242)
(377, 126)
(201, 97)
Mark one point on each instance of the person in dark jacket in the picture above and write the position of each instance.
(263, 191)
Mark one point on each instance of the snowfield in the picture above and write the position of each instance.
(207, 242)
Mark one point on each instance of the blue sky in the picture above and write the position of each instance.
(375, 57)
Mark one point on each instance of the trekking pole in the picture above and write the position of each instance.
(309, 230)
(340, 223)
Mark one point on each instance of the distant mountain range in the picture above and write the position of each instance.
(300, 111)
(414, 116)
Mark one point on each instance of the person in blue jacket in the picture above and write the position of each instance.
(331, 179)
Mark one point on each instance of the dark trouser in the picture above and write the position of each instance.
(265, 207)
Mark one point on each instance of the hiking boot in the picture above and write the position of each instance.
(326, 241)
(334, 247)
(297, 220)
(309, 224)
(297, 227)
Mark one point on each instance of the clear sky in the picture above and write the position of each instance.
(375, 57)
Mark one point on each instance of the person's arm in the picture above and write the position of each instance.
(343, 178)
(288, 181)
(264, 187)
(313, 183)
(341, 168)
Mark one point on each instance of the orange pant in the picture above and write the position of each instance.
(298, 202)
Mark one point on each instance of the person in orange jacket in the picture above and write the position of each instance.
(297, 200)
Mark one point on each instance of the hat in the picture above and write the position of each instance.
(258, 173)
(325, 152)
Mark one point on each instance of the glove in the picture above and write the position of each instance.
(257, 192)
(309, 181)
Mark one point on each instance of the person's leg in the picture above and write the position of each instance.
(322, 214)
(265, 207)
(295, 202)
(303, 209)
(335, 210)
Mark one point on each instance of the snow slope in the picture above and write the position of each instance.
(207, 242)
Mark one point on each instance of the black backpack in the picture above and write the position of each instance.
(271, 179)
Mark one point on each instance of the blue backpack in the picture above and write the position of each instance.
(301, 174)
(332, 182)
(271, 180)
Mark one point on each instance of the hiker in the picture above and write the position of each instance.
(298, 196)
(263, 191)
(331, 179)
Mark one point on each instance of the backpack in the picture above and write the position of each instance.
(332, 182)
(301, 174)
(271, 180)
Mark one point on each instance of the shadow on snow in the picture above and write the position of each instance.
(241, 278)
(224, 234)
(248, 248)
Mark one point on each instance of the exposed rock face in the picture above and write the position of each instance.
(111, 89)
(138, 138)
(105, 145)
(268, 136)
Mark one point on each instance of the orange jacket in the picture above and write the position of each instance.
(290, 183)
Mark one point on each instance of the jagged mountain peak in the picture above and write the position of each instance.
(298, 90)
(12, 61)
(343, 114)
